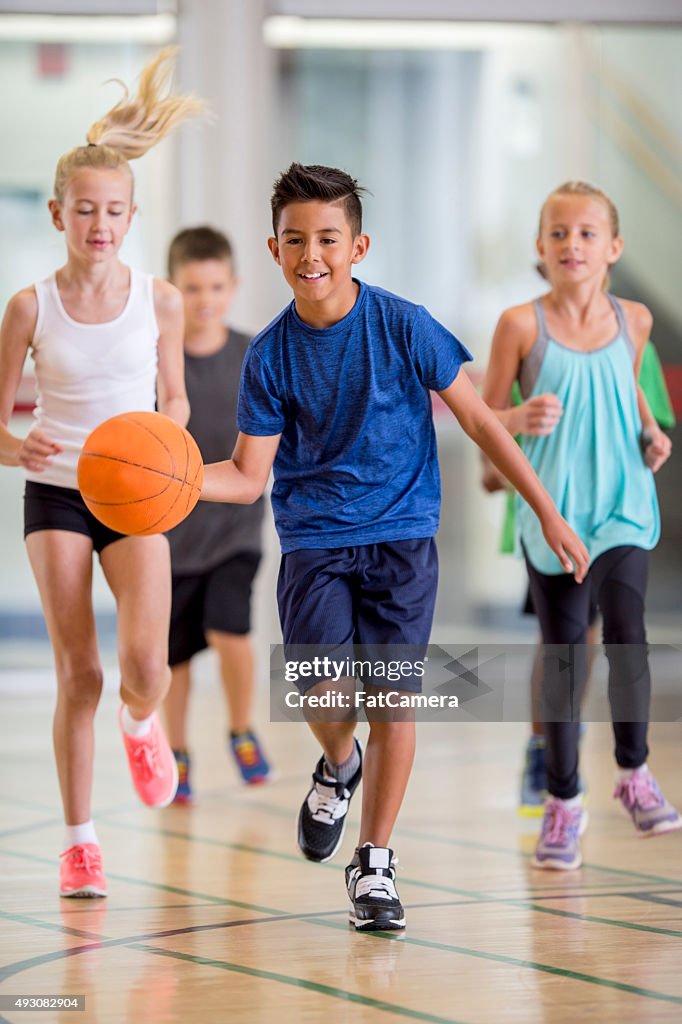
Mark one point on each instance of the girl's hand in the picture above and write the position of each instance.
(491, 478)
(36, 450)
(566, 545)
(538, 415)
(657, 448)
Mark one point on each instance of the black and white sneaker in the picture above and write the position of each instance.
(370, 880)
(322, 818)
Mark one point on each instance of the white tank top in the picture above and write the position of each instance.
(86, 373)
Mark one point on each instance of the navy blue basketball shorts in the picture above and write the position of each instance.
(366, 608)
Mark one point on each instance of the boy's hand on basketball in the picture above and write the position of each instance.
(538, 415)
(36, 450)
(657, 448)
(567, 546)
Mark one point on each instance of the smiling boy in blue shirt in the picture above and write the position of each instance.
(335, 397)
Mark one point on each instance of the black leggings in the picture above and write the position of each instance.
(618, 579)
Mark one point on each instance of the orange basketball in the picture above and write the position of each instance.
(140, 473)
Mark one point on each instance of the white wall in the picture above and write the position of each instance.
(641, 89)
(43, 117)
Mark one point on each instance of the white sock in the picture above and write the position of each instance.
(76, 835)
(133, 727)
(574, 801)
(626, 773)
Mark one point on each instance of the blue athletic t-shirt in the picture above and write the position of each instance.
(357, 461)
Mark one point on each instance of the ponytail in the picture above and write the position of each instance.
(133, 125)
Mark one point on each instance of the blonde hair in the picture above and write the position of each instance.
(581, 188)
(133, 125)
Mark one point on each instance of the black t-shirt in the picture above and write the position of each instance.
(215, 531)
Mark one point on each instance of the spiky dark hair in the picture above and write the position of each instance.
(306, 183)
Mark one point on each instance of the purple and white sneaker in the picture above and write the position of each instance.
(558, 847)
(641, 797)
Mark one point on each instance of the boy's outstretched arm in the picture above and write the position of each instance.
(483, 427)
(242, 478)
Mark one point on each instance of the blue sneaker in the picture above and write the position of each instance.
(183, 794)
(558, 847)
(534, 779)
(251, 761)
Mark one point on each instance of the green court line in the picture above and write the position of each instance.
(463, 950)
(218, 900)
(32, 806)
(278, 811)
(12, 970)
(471, 844)
(35, 826)
(291, 858)
(473, 894)
(49, 926)
(103, 943)
(671, 933)
(26, 804)
(310, 986)
(138, 908)
(655, 897)
(561, 972)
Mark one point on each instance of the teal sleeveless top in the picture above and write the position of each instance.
(591, 464)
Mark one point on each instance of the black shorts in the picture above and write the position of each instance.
(376, 598)
(219, 600)
(48, 507)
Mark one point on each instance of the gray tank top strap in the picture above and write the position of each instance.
(529, 370)
(622, 325)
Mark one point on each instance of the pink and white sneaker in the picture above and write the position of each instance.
(80, 872)
(558, 847)
(641, 797)
(152, 765)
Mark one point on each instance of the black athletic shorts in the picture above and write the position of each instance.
(219, 600)
(48, 507)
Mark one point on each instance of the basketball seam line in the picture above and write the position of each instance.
(138, 465)
(169, 477)
(150, 527)
(156, 437)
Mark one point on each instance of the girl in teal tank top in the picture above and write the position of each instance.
(533, 787)
(591, 464)
(595, 445)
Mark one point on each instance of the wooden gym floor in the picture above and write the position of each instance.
(213, 916)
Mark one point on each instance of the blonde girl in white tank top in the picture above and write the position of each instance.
(104, 339)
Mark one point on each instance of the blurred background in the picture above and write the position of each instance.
(459, 117)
